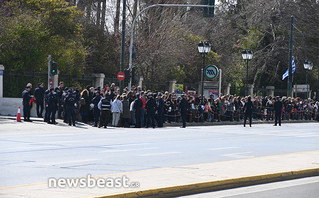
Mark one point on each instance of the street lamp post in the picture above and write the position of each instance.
(308, 67)
(203, 48)
(247, 55)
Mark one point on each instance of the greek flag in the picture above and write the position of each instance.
(286, 74)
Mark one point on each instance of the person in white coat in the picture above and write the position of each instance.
(116, 109)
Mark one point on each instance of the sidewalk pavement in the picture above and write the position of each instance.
(190, 179)
(177, 124)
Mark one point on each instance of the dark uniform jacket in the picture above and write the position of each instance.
(69, 101)
(183, 106)
(278, 107)
(248, 107)
(53, 101)
(26, 97)
(151, 105)
(106, 105)
(39, 94)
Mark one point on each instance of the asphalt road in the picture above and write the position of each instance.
(33, 152)
(299, 188)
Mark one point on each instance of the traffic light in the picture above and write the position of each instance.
(127, 75)
(209, 12)
(54, 68)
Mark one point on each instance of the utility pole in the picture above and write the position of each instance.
(289, 92)
(49, 69)
(123, 44)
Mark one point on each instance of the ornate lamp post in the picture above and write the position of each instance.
(247, 55)
(203, 48)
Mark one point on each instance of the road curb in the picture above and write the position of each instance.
(189, 189)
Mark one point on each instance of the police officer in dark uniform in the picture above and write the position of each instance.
(183, 109)
(26, 106)
(105, 107)
(63, 93)
(46, 104)
(278, 110)
(60, 99)
(52, 105)
(39, 96)
(150, 107)
(138, 104)
(96, 110)
(248, 109)
(160, 110)
(69, 102)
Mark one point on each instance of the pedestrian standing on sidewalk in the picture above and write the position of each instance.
(39, 96)
(26, 97)
(248, 109)
(53, 102)
(96, 111)
(46, 105)
(60, 99)
(117, 109)
(138, 104)
(105, 107)
(278, 110)
(69, 102)
(183, 109)
(160, 109)
(150, 110)
(126, 115)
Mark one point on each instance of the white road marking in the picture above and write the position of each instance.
(222, 148)
(68, 162)
(26, 148)
(239, 155)
(125, 145)
(155, 154)
(128, 150)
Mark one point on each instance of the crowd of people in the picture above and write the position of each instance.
(106, 106)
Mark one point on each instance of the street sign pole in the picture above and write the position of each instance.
(289, 94)
(123, 43)
(49, 69)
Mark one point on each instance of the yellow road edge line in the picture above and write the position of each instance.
(196, 188)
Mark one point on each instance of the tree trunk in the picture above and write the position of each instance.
(88, 11)
(135, 9)
(98, 13)
(117, 17)
(103, 14)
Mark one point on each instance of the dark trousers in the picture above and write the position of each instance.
(46, 114)
(248, 115)
(142, 117)
(150, 118)
(26, 111)
(104, 118)
(160, 119)
(138, 118)
(184, 117)
(52, 112)
(60, 110)
(278, 118)
(39, 108)
(96, 114)
(70, 115)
